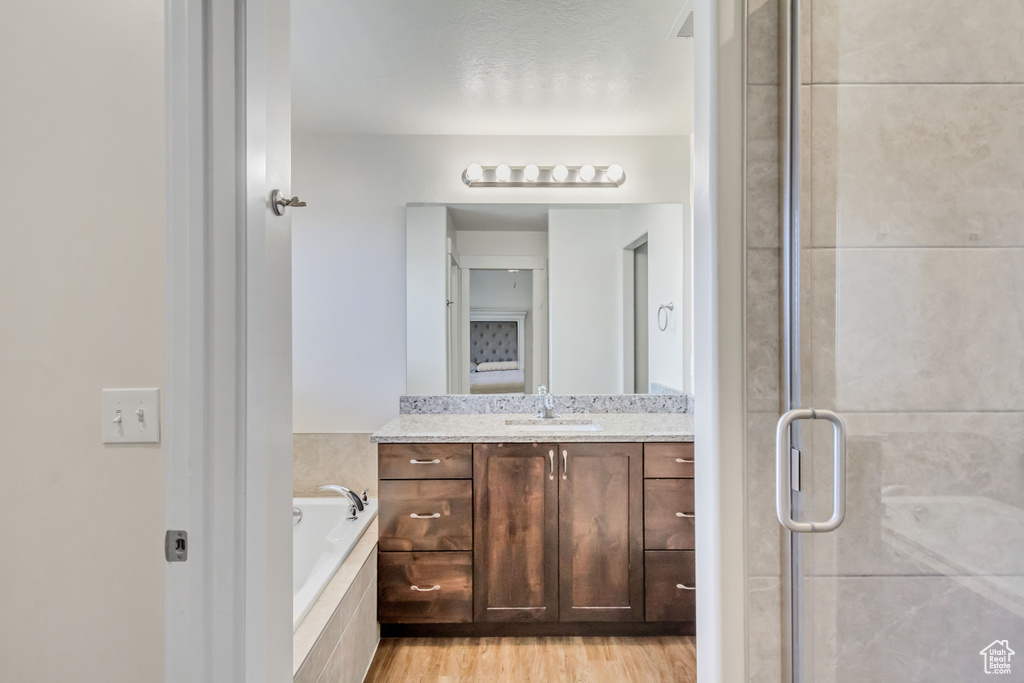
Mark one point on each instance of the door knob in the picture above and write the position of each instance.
(278, 202)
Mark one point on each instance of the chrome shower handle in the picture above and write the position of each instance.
(784, 471)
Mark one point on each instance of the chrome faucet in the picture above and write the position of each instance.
(547, 404)
(341, 490)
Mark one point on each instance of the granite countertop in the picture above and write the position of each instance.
(491, 428)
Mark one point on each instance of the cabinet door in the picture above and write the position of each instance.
(601, 576)
(515, 532)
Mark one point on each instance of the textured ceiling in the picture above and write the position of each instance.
(505, 217)
(491, 67)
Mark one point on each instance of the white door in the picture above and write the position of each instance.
(228, 341)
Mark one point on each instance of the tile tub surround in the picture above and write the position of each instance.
(336, 641)
(347, 459)
(528, 403)
(491, 428)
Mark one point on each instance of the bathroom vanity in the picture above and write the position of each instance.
(501, 525)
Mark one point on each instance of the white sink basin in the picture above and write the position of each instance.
(557, 424)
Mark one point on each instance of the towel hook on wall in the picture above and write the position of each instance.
(670, 306)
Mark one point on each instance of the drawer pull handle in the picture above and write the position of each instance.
(565, 465)
(425, 590)
(686, 461)
(435, 461)
(551, 472)
(683, 514)
(419, 516)
(685, 587)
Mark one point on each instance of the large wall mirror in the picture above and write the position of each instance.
(584, 299)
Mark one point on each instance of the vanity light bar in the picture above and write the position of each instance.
(531, 175)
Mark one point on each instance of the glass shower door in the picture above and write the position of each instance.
(905, 316)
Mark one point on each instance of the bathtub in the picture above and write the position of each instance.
(320, 543)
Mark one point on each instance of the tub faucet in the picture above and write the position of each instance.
(341, 490)
(547, 404)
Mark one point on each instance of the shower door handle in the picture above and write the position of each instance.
(784, 471)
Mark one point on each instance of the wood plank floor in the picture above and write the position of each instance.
(556, 659)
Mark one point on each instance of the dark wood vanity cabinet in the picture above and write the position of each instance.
(600, 499)
(515, 568)
(669, 518)
(506, 535)
(558, 532)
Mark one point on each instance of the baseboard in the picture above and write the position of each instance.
(487, 630)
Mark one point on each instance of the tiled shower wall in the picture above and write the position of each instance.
(914, 330)
(763, 350)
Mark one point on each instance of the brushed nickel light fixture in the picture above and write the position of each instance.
(532, 175)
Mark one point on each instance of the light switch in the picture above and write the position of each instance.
(131, 416)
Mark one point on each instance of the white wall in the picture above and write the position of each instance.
(81, 277)
(501, 289)
(502, 243)
(665, 225)
(349, 246)
(426, 279)
(585, 281)
(586, 254)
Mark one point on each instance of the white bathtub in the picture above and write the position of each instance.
(320, 543)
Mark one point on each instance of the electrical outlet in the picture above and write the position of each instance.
(131, 416)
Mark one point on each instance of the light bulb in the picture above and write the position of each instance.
(503, 173)
(559, 173)
(531, 173)
(614, 173)
(474, 172)
(587, 173)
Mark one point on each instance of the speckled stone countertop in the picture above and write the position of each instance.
(491, 428)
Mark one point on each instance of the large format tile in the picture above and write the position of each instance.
(917, 165)
(764, 628)
(352, 657)
(916, 330)
(762, 166)
(762, 316)
(764, 533)
(346, 459)
(927, 493)
(762, 42)
(906, 629)
(317, 636)
(918, 41)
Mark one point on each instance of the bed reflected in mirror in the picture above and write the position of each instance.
(583, 299)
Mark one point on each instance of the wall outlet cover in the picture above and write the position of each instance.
(131, 416)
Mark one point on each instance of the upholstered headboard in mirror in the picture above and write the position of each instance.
(493, 341)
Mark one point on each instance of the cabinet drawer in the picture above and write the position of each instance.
(426, 515)
(668, 460)
(425, 460)
(668, 514)
(422, 588)
(671, 586)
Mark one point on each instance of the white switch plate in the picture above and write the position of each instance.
(139, 412)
